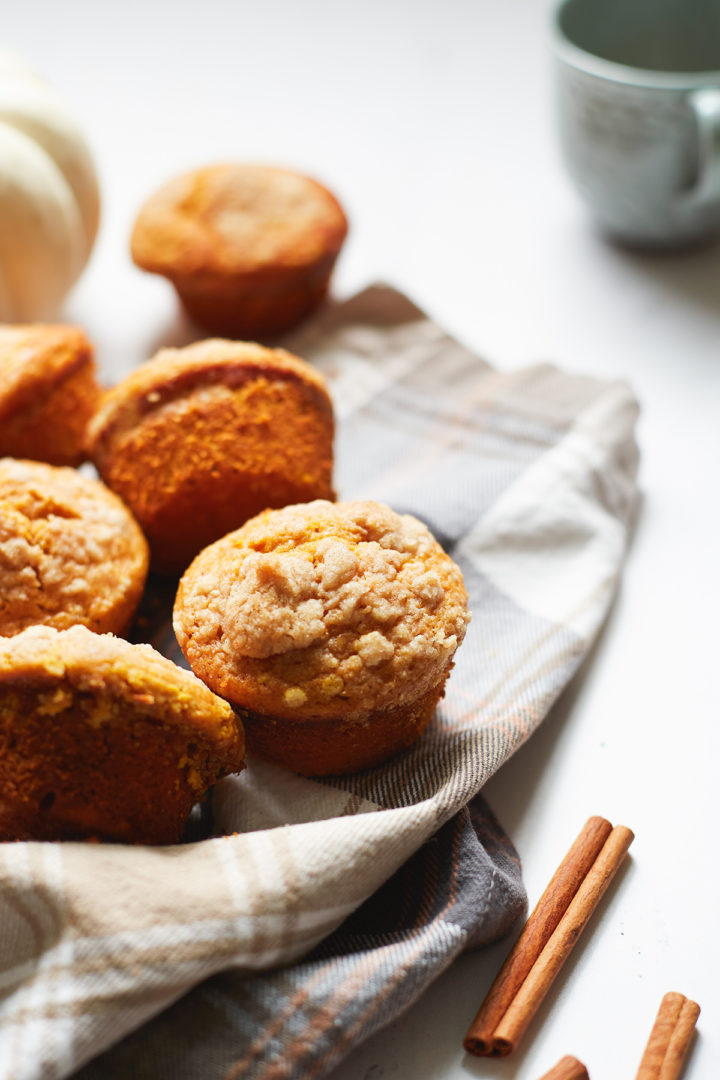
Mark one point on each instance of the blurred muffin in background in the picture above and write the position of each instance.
(48, 392)
(250, 249)
(200, 439)
(70, 551)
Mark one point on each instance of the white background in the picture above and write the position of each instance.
(433, 124)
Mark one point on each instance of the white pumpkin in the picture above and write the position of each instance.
(49, 197)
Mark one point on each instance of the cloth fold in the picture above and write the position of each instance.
(528, 480)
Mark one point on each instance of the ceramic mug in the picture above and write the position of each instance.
(638, 105)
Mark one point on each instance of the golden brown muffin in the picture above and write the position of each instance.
(105, 739)
(200, 439)
(331, 627)
(249, 248)
(70, 551)
(48, 392)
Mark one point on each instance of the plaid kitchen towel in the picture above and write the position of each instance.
(302, 915)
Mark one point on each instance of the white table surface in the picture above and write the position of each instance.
(433, 123)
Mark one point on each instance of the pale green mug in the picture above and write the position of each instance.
(638, 105)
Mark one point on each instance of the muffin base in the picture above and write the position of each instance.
(99, 769)
(255, 307)
(339, 746)
(177, 532)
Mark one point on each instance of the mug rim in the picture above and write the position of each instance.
(614, 71)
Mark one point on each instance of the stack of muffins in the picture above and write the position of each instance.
(320, 633)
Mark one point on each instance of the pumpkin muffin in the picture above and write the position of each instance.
(200, 439)
(331, 627)
(48, 392)
(105, 739)
(70, 551)
(249, 248)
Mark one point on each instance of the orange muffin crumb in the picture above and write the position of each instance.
(48, 392)
(200, 439)
(332, 627)
(104, 739)
(249, 248)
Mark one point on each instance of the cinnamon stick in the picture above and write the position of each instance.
(568, 1068)
(548, 937)
(669, 1039)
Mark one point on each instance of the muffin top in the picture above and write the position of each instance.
(34, 359)
(322, 609)
(70, 551)
(237, 219)
(60, 663)
(161, 385)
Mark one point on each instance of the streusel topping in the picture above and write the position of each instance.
(63, 663)
(70, 551)
(322, 603)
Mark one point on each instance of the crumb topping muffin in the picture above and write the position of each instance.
(48, 392)
(70, 551)
(249, 248)
(105, 739)
(199, 439)
(325, 612)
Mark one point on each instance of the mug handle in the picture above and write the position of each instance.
(705, 105)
